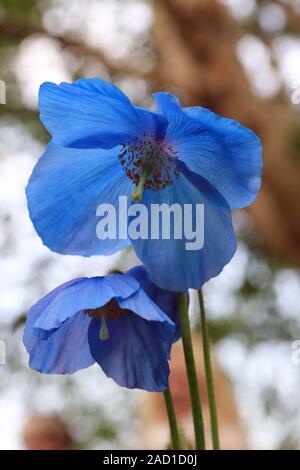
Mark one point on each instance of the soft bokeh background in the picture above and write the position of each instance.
(240, 58)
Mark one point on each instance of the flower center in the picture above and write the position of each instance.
(109, 311)
(149, 164)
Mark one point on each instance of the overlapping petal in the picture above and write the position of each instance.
(168, 261)
(134, 356)
(57, 354)
(92, 113)
(88, 293)
(167, 301)
(65, 351)
(63, 194)
(221, 150)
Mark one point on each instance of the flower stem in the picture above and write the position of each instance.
(172, 419)
(191, 371)
(209, 376)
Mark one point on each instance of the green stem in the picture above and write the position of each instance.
(172, 419)
(209, 376)
(191, 371)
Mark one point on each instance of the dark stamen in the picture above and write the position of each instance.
(149, 164)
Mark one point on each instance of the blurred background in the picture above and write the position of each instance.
(241, 58)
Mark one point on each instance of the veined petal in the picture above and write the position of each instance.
(134, 355)
(63, 193)
(180, 268)
(92, 113)
(221, 150)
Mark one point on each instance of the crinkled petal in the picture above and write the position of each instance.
(167, 301)
(221, 150)
(63, 194)
(179, 268)
(134, 356)
(86, 294)
(92, 113)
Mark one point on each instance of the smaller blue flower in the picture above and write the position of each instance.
(121, 321)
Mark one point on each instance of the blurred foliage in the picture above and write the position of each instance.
(265, 324)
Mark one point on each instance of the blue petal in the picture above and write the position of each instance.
(179, 269)
(227, 154)
(140, 304)
(37, 309)
(167, 301)
(87, 293)
(92, 113)
(134, 356)
(63, 194)
(56, 330)
(67, 349)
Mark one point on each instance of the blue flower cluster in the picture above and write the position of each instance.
(104, 147)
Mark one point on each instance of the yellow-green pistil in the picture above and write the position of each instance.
(104, 334)
(108, 311)
(137, 194)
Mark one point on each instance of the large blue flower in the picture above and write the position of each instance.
(111, 320)
(104, 147)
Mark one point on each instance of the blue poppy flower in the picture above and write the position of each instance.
(110, 320)
(104, 147)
